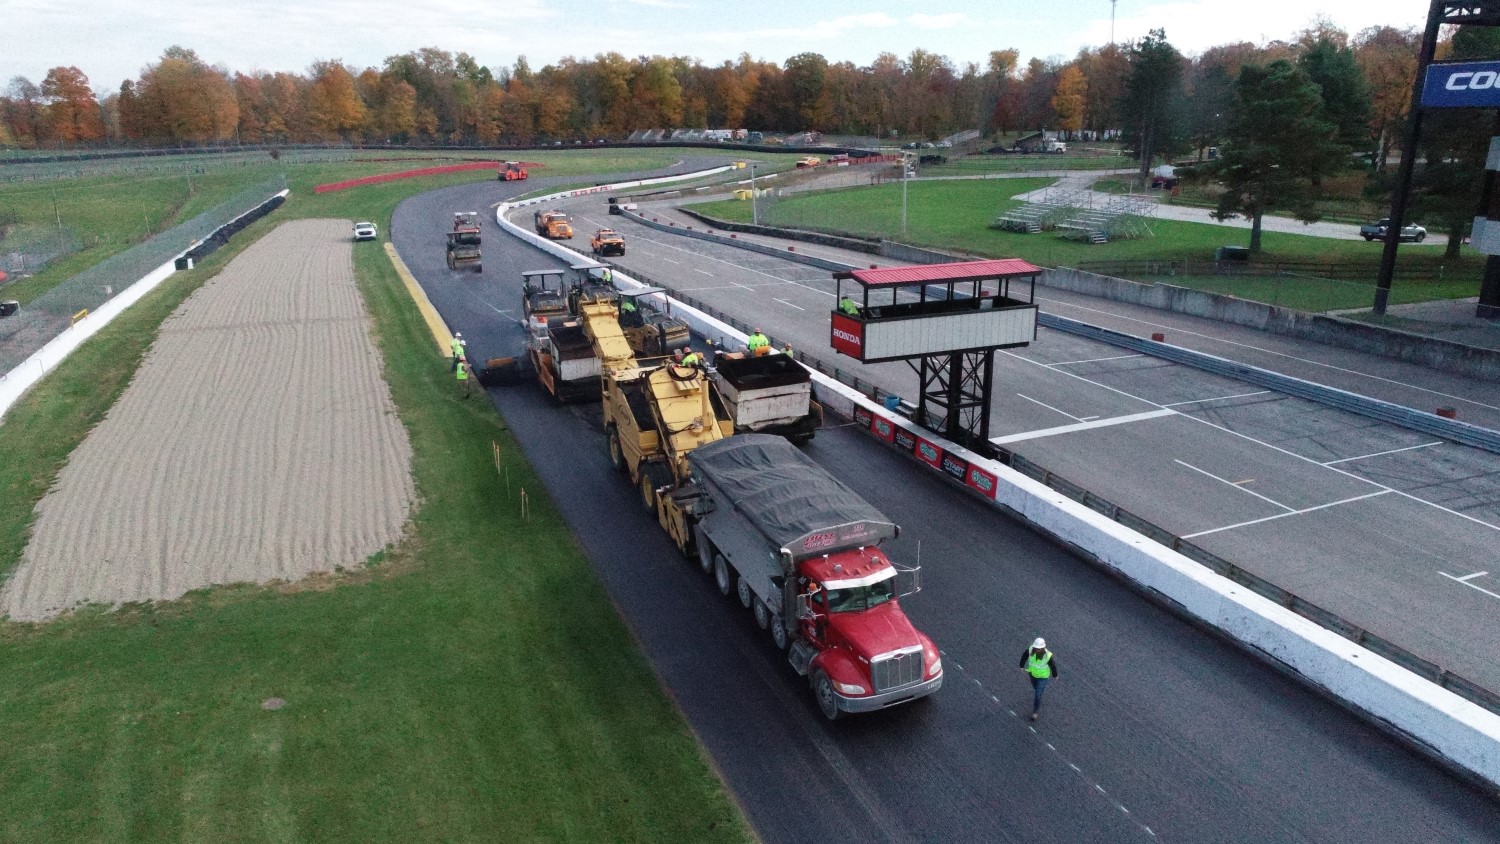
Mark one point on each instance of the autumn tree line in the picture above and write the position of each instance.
(431, 96)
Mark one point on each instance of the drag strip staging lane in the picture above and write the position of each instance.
(1153, 725)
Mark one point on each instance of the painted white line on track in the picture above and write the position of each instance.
(1284, 515)
(1219, 398)
(1292, 454)
(1384, 453)
(1050, 407)
(1270, 352)
(1082, 425)
(1235, 485)
(1093, 360)
(705, 272)
(789, 304)
(670, 261)
(1465, 581)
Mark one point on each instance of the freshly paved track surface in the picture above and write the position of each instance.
(1370, 521)
(1153, 724)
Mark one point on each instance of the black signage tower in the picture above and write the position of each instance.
(1453, 13)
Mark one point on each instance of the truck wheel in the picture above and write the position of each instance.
(762, 615)
(722, 576)
(616, 454)
(479, 268)
(742, 587)
(1421, 236)
(648, 490)
(823, 691)
(779, 635)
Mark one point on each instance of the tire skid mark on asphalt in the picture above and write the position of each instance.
(1083, 775)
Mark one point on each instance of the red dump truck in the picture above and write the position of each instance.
(801, 551)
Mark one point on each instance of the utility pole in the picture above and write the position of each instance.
(754, 198)
(1112, 21)
(905, 177)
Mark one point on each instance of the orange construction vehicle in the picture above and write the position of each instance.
(607, 242)
(512, 171)
(553, 225)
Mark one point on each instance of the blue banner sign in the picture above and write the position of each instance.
(1462, 85)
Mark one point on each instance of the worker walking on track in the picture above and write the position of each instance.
(1042, 666)
(758, 343)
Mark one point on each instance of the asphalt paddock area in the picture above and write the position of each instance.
(258, 441)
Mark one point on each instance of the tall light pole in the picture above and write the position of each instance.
(906, 167)
(1112, 20)
(754, 200)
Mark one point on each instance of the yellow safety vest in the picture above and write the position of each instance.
(848, 307)
(463, 372)
(1039, 668)
(690, 359)
(756, 341)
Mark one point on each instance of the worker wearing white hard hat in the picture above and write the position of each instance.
(1041, 666)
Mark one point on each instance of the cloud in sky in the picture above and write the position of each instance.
(111, 40)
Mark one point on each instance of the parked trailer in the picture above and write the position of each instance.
(800, 550)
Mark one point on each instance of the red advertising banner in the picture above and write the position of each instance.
(848, 336)
(929, 453)
(981, 480)
(883, 428)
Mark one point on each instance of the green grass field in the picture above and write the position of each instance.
(955, 215)
(443, 694)
(111, 213)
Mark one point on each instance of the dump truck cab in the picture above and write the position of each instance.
(554, 225)
(607, 242)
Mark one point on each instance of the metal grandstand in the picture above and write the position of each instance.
(1083, 215)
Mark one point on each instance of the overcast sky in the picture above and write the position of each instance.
(111, 40)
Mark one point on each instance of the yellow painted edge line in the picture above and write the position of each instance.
(435, 323)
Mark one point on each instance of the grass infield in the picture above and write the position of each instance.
(440, 694)
(956, 214)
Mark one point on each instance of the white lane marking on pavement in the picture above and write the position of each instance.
(670, 261)
(1049, 407)
(1270, 352)
(1082, 425)
(1218, 398)
(1236, 485)
(1304, 458)
(1093, 360)
(733, 265)
(789, 304)
(705, 272)
(1384, 453)
(1293, 513)
(1465, 581)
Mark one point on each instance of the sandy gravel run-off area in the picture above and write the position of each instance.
(257, 442)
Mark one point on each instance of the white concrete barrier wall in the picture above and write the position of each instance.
(1465, 734)
(15, 383)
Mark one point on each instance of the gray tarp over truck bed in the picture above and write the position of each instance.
(786, 496)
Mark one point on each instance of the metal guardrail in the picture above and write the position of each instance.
(1395, 414)
(1328, 620)
(1360, 271)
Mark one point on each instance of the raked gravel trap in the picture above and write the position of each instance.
(257, 442)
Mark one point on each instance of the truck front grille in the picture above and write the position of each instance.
(896, 670)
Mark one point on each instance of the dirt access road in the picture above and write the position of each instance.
(257, 442)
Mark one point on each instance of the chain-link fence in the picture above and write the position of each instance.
(25, 332)
(26, 249)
